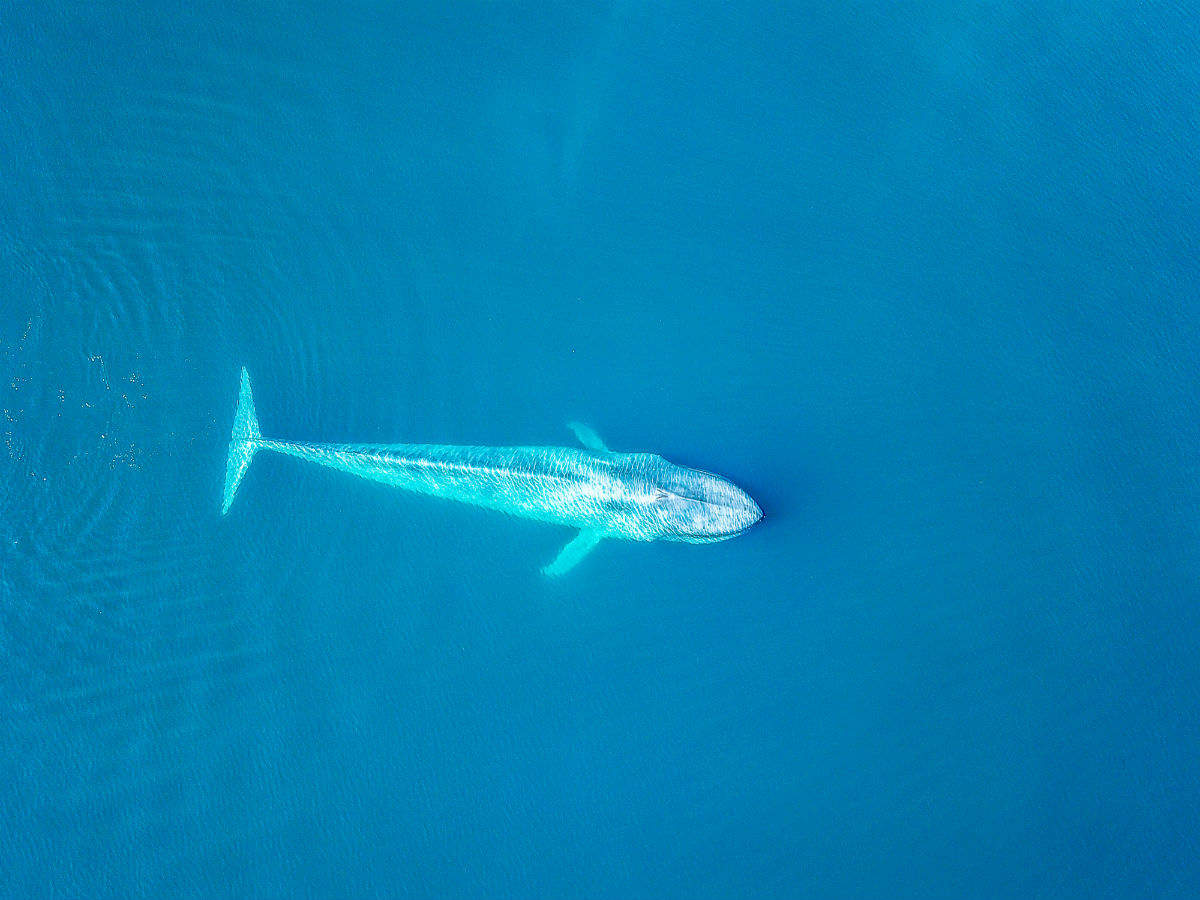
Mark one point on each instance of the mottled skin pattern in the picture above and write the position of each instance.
(635, 496)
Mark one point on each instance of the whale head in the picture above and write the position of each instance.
(698, 507)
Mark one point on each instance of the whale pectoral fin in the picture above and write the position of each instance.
(570, 556)
(588, 437)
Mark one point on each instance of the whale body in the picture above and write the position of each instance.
(625, 496)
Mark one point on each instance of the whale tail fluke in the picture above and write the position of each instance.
(243, 444)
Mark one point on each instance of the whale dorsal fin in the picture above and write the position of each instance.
(588, 437)
(577, 548)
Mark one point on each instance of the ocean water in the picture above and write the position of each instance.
(921, 278)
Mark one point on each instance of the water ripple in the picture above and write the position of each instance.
(116, 621)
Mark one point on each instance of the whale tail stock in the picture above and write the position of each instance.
(243, 443)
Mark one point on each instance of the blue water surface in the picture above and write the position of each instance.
(921, 278)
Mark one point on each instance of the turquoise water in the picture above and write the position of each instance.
(923, 281)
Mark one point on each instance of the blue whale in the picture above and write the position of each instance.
(626, 496)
